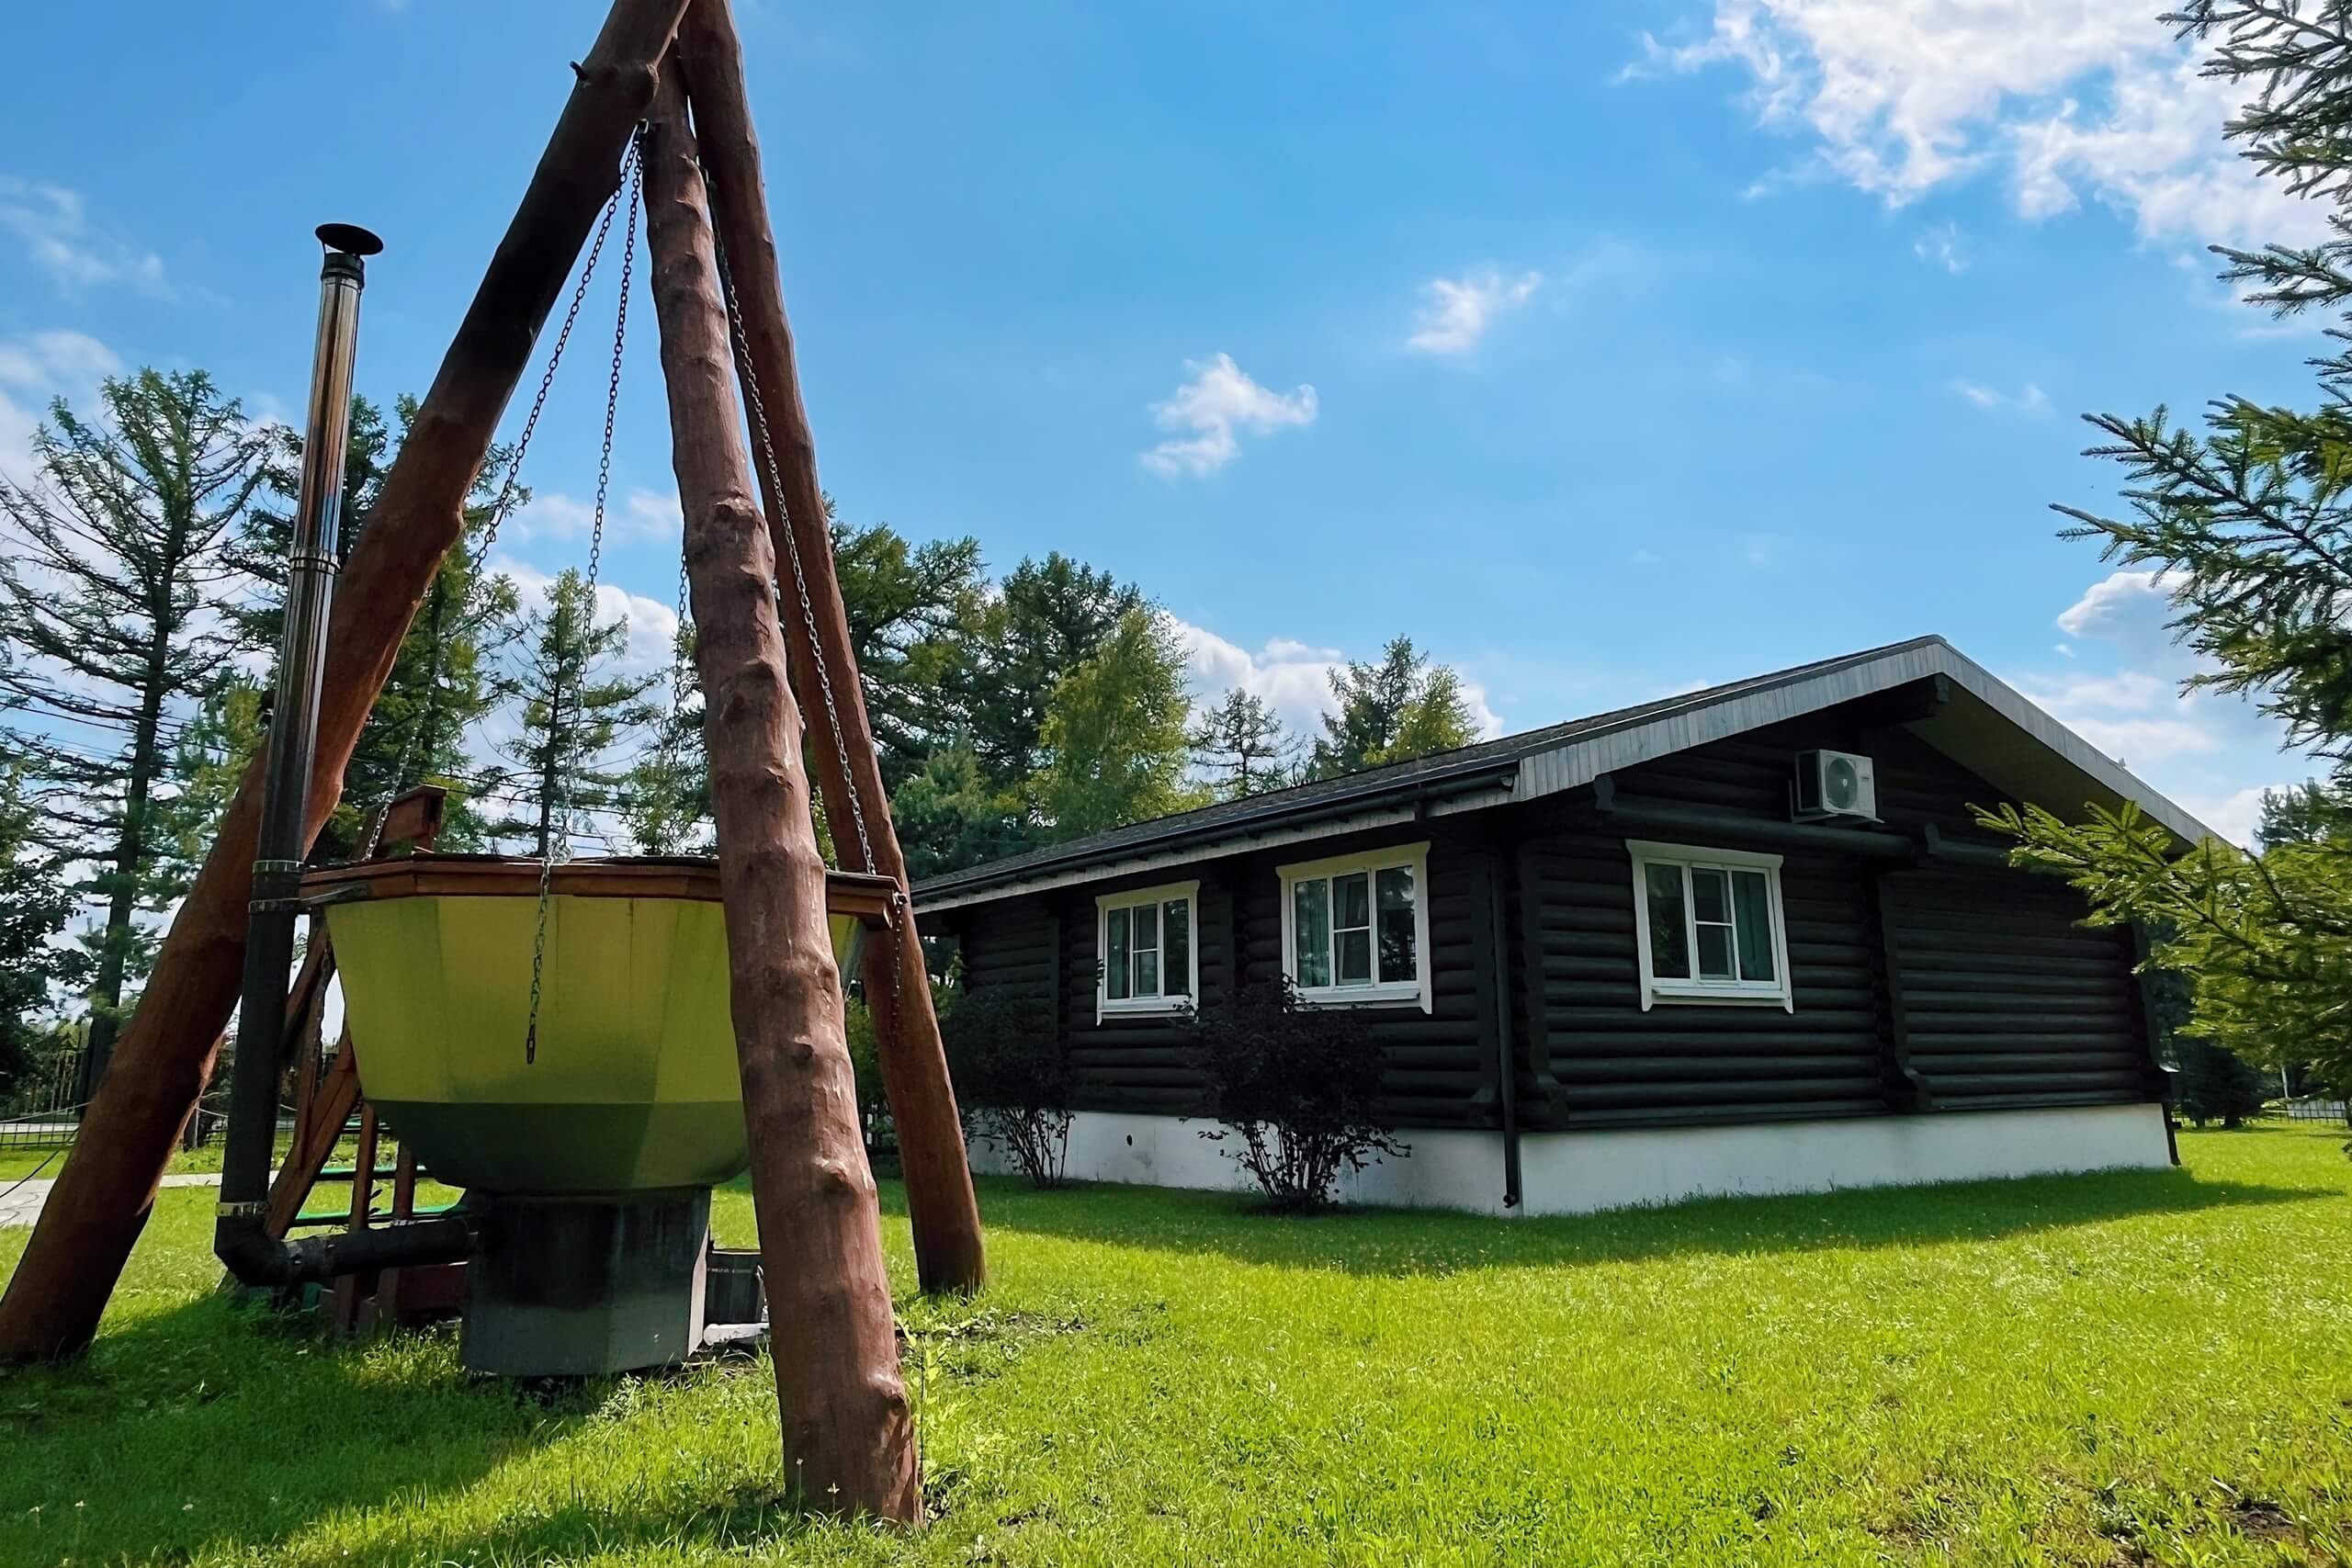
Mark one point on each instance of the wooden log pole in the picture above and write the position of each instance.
(165, 1058)
(849, 1444)
(949, 1253)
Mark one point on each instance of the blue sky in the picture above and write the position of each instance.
(1604, 349)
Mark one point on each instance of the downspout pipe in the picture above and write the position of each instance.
(1507, 1077)
(241, 1236)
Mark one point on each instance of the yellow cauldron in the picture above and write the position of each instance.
(633, 1085)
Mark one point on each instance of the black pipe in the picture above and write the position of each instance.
(241, 1236)
(1507, 1086)
(1627, 813)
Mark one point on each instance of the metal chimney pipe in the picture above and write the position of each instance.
(241, 1238)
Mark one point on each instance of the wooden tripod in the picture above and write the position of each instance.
(848, 1444)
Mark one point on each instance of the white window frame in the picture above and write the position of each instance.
(1415, 992)
(1107, 1006)
(1779, 992)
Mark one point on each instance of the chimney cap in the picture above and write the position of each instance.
(349, 238)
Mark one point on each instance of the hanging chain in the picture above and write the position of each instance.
(670, 753)
(558, 843)
(792, 550)
(505, 499)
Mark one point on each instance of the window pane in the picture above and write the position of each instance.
(1670, 945)
(1352, 896)
(1752, 902)
(1355, 958)
(1714, 953)
(1311, 925)
(1707, 896)
(1398, 961)
(1114, 956)
(1176, 946)
(1147, 926)
(1146, 973)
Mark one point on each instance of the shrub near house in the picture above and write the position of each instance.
(1012, 1079)
(1297, 1089)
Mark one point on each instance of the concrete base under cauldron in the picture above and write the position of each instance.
(590, 1286)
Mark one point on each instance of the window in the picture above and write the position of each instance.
(1148, 961)
(1355, 929)
(1709, 926)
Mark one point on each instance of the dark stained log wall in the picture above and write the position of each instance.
(1615, 1063)
(2009, 1002)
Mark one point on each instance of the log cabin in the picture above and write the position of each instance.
(1744, 940)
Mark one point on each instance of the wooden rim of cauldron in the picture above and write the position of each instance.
(425, 874)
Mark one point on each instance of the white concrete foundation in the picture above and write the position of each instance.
(1573, 1173)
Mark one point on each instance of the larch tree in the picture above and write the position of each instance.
(441, 685)
(1241, 746)
(1114, 735)
(2245, 516)
(1401, 708)
(34, 904)
(105, 605)
(666, 798)
(572, 708)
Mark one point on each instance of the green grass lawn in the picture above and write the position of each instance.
(2147, 1367)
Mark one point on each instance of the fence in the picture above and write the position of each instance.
(2311, 1108)
(45, 1109)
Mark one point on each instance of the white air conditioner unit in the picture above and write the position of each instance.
(1835, 784)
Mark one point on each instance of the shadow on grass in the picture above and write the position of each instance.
(220, 1427)
(1399, 1242)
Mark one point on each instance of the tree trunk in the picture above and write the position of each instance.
(130, 849)
(164, 1059)
(949, 1254)
(848, 1438)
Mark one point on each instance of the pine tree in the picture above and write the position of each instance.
(440, 684)
(229, 728)
(916, 614)
(667, 799)
(1047, 618)
(1113, 736)
(2247, 520)
(1401, 708)
(949, 817)
(572, 709)
(105, 606)
(2218, 1085)
(1242, 747)
(34, 906)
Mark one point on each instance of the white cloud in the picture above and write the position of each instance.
(551, 514)
(1217, 400)
(655, 515)
(2132, 608)
(2120, 690)
(652, 625)
(1940, 245)
(642, 514)
(34, 369)
(2028, 399)
(1457, 311)
(2234, 815)
(2063, 98)
(53, 226)
(1293, 678)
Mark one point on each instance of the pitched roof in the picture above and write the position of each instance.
(1542, 762)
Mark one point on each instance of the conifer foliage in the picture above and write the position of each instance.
(574, 705)
(2246, 515)
(115, 565)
